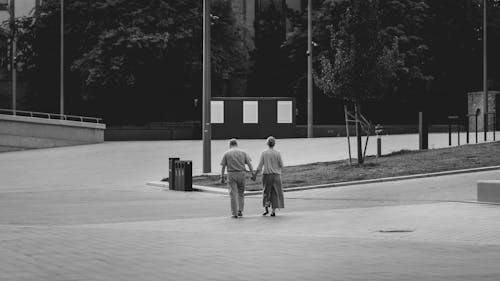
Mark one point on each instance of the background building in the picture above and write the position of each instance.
(267, 25)
(248, 10)
(23, 8)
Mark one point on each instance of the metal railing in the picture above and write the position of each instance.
(53, 116)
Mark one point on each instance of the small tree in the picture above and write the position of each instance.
(362, 60)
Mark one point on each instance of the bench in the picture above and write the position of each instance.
(488, 191)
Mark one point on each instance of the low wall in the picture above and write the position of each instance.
(20, 132)
(184, 131)
(154, 131)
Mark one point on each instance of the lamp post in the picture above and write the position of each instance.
(206, 128)
(310, 108)
(485, 67)
(13, 54)
(61, 79)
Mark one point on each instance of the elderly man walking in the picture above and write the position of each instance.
(235, 160)
(271, 162)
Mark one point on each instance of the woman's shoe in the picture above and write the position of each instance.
(266, 212)
(273, 214)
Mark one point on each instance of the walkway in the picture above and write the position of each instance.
(84, 213)
(118, 164)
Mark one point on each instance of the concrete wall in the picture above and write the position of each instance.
(27, 132)
(181, 132)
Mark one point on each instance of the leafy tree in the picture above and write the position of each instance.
(144, 55)
(404, 20)
(365, 59)
(368, 55)
(267, 75)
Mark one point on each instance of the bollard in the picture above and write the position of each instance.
(379, 146)
(451, 120)
(449, 132)
(423, 131)
(467, 128)
(378, 131)
(494, 126)
(476, 128)
(485, 124)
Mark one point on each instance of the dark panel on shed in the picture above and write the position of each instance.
(267, 120)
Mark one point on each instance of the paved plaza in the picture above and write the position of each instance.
(115, 164)
(85, 213)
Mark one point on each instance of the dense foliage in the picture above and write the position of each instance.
(439, 55)
(129, 58)
(137, 61)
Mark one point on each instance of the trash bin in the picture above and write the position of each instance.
(184, 175)
(171, 172)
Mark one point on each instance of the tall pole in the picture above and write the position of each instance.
(310, 115)
(485, 67)
(206, 89)
(61, 79)
(13, 55)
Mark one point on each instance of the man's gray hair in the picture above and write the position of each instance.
(233, 142)
(271, 141)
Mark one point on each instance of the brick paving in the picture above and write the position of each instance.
(315, 245)
(64, 226)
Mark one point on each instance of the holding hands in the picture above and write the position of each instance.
(254, 176)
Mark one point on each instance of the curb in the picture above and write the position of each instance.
(339, 184)
(164, 184)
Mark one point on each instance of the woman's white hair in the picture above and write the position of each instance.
(271, 141)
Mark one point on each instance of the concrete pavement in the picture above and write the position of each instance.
(117, 164)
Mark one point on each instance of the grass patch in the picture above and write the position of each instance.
(400, 163)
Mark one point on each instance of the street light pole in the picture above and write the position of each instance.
(61, 79)
(310, 108)
(13, 55)
(485, 67)
(207, 87)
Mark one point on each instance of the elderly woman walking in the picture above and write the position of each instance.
(271, 163)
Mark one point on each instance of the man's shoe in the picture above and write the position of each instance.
(240, 214)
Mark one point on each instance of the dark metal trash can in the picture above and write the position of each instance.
(184, 175)
(171, 172)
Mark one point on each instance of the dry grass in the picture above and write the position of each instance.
(395, 164)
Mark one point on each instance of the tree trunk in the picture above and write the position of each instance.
(357, 110)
